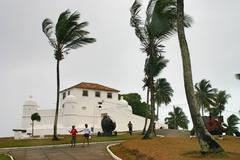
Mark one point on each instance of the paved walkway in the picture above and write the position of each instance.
(95, 151)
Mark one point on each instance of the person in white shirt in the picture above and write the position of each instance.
(86, 133)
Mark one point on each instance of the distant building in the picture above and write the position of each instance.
(80, 104)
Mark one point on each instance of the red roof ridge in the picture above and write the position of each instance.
(92, 86)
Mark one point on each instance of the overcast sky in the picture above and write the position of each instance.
(27, 64)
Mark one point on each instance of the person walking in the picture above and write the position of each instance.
(73, 133)
(86, 134)
(130, 127)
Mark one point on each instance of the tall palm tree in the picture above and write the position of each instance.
(35, 117)
(176, 119)
(163, 94)
(206, 141)
(153, 65)
(232, 122)
(205, 95)
(155, 62)
(220, 102)
(69, 34)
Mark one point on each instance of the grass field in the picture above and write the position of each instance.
(65, 139)
(174, 148)
(4, 157)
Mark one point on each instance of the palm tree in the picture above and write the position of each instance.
(220, 102)
(206, 141)
(232, 122)
(205, 95)
(69, 34)
(153, 65)
(155, 62)
(164, 92)
(176, 119)
(35, 117)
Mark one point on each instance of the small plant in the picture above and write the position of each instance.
(35, 117)
(108, 125)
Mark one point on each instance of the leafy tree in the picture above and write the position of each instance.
(205, 95)
(220, 102)
(35, 117)
(69, 34)
(134, 100)
(163, 94)
(206, 141)
(176, 119)
(232, 122)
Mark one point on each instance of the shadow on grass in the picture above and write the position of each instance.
(199, 155)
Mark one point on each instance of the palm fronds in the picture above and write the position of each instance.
(164, 91)
(177, 118)
(232, 121)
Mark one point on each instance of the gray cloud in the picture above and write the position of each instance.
(27, 65)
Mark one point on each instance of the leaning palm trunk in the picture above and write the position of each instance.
(157, 113)
(146, 115)
(150, 132)
(206, 141)
(55, 136)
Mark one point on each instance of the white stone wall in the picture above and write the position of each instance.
(79, 110)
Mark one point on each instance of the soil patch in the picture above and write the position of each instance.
(175, 148)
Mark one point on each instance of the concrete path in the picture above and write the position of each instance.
(95, 151)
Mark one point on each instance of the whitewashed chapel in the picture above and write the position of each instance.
(80, 104)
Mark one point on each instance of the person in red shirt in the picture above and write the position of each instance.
(73, 133)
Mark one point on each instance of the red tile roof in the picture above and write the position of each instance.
(92, 86)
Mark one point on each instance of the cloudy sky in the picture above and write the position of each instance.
(27, 64)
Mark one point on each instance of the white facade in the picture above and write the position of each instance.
(79, 106)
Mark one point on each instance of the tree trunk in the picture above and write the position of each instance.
(157, 112)
(206, 141)
(146, 116)
(55, 136)
(202, 111)
(32, 128)
(150, 132)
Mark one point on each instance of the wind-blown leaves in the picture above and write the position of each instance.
(36, 117)
(232, 121)
(69, 33)
(177, 118)
(205, 95)
(164, 18)
(154, 64)
(220, 101)
(164, 91)
(237, 76)
(47, 28)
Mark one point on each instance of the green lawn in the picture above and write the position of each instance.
(4, 157)
(65, 139)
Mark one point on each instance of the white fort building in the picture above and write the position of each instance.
(80, 104)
